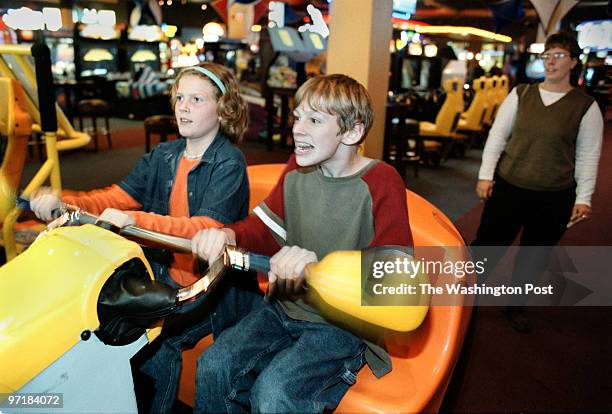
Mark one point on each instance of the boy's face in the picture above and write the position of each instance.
(196, 108)
(316, 136)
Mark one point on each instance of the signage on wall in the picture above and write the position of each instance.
(318, 24)
(276, 19)
(403, 9)
(25, 18)
(595, 35)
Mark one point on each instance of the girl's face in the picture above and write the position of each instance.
(196, 108)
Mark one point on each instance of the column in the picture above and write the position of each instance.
(360, 32)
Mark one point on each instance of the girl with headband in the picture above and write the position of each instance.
(181, 187)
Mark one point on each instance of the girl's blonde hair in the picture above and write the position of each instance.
(231, 108)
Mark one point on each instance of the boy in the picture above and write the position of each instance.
(284, 356)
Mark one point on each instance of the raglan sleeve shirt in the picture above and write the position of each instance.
(262, 232)
(389, 207)
(255, 235)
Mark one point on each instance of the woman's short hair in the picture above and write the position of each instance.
(564, 40)
(341, 96)
(231, 107)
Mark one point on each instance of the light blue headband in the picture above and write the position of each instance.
(210, 76)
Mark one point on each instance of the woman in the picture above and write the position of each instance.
(539, 164)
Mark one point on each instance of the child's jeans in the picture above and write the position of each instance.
(165, 364)
(271, 363)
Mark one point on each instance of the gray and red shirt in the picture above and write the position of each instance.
(325, 214)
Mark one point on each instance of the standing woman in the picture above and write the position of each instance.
(539, 165)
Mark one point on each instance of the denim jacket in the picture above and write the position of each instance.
(217, 186)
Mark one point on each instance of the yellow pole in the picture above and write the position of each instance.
(30, 75)
(51, 145)
(30, 104)
(27, 70)
(39, 179)
(23, 50)
(4, 69)
(10, 246)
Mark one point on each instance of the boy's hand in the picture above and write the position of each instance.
(44, 202)
(286, 277)
(117, 218)
(208, 244)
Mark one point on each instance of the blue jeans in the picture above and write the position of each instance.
(271, 363)
(164, 366)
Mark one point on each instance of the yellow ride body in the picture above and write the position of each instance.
(49, 296)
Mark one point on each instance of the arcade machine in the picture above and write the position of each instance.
(95, 57)
(298, 48)
(142, 48)
(141, 54)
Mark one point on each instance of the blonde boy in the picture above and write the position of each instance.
(285, 357)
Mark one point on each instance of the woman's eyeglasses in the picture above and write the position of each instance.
(556, 56)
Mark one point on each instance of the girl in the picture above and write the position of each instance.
(180, 187)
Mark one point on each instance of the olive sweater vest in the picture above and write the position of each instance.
(541, 152)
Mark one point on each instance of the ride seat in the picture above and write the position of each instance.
(471, 120)
(448, 115)
(492, 98)
(503, 88)
(443, 133)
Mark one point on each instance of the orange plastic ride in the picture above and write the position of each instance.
(423, 360)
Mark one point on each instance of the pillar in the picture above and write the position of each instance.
(360, 32)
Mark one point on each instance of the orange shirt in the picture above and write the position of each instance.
(184, 269)
(177, 223)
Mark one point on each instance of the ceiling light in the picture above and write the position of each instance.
(431, 50)
(464, 31)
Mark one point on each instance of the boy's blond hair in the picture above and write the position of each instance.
(341, 96)
(231, 107)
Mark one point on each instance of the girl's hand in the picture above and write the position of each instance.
(208, 244)
(286, 276)
(117, 218)
(44, 202)
(484, 189)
